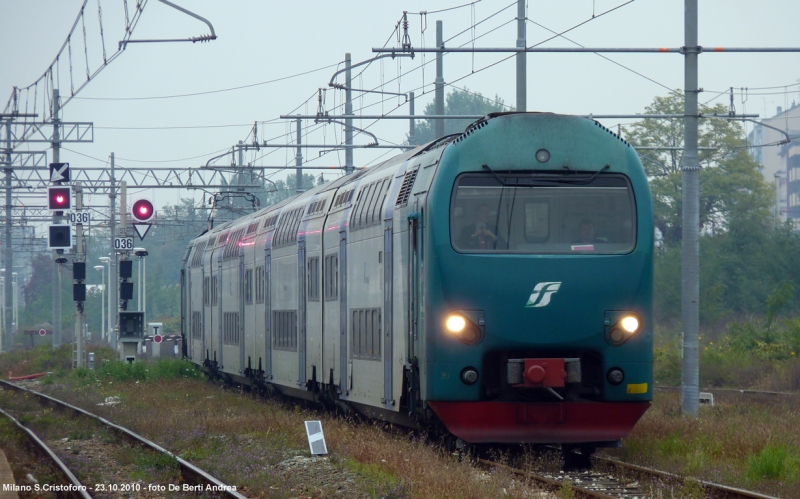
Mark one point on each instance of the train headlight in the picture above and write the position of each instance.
(456, 323)
(623, 330)
(463, 329)
(542, 155)
(630, 324)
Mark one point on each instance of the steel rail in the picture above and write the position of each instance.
(548, 483)
(80, 488)
(717, 489)
(741, 391)
(189, 472)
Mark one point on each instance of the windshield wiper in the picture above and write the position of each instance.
(562, 180)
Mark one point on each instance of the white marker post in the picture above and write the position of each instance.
(316, 439)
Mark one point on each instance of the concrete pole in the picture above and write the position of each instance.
(80, 256)
(521, 58)
(2, 302)
(412, 139)
(690, 303)
(438, 98)
(298, 159)
(113, 276)
(15, 303)
(56, 273)
(778, 176)
(144, 291)
(8, 256)
(139, 285)
(103, 303)
(348, 110)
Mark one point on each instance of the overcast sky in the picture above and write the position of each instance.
(263, 41)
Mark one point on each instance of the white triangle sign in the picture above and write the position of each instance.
(141, 230)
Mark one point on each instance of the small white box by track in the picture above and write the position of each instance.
(316, 439)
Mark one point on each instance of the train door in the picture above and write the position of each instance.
(330, 298)
(412, 310)
(302, 376)
(268, 310)
(245, 309)
(217, 282)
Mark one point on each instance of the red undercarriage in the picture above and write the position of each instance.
(539, 422)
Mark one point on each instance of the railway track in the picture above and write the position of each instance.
(740, 391)
(192, 478)
(68, 483)
(618, 480)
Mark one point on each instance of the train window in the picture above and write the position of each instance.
(380, 195)
(230, 328)
(366, 333)
(197, 255)
(331, 280)
(312, 274)
(537, 216)
(206, 291)
(197, 324)
(543, 213)
(356, 220)
(284, 323)
(259, 284)
(248, 286)
(369, 217)
(287, 227)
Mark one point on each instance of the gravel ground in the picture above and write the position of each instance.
(261, 471)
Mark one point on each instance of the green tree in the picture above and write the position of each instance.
(458, 102)
(733, 194)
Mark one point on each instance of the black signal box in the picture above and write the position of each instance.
(79, 292)
(59, 237)
(125, 270)
(126, 291)
(79, 271)
(131, 324)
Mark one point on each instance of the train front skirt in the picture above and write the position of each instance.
(540, 422)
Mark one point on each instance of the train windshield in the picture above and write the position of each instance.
(542, 214)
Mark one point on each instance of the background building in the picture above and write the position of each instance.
(780, 164)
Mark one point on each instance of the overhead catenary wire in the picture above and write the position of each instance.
(446, 9)
(220, 90)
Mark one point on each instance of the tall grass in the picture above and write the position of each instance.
(775, 462)
(751, 353)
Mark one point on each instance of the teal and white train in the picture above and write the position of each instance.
(497, 283)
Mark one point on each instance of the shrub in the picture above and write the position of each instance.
(774, 462)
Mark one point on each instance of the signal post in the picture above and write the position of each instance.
(79, 279)
(131, 326)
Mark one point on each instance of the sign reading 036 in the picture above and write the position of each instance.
(79, 218)
(123, 243)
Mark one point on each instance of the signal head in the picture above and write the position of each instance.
(59, 198)
(142, 210)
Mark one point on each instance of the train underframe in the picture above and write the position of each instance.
(573, 415)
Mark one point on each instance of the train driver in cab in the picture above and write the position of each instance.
(481, 234)
(587, 233)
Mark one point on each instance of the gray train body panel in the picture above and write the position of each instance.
(327, 272)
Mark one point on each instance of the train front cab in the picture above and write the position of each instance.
(537, 333)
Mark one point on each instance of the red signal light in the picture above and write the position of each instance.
(58, 198)
(142, 210)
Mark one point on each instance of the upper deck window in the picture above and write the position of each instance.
(543, 214)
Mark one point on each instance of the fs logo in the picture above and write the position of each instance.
(542, 293)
